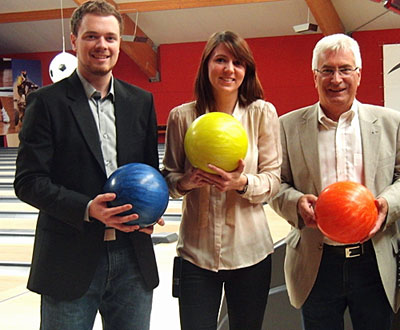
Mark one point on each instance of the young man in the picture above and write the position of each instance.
(339, 139)
(75, 134)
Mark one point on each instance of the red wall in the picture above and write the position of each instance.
(283, 63)
(371, 45)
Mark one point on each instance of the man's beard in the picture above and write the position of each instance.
(98, 70)
(101, 71)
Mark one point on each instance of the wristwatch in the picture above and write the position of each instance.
(243, 191)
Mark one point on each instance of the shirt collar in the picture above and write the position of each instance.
(90, 90)
(348, 116)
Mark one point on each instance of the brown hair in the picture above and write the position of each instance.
(97, 7)
(250, 89)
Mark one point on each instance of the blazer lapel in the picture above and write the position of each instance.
(370, 137)
(308, 134)
(123, 102)
(84, 118)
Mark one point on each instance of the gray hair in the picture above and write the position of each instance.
(336, 42)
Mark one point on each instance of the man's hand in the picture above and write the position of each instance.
(305, 207)
(150, 229)
(99, 210)
(382, 206)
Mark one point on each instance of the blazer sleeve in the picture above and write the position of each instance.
(36, 181)
(285, 201)
(390, 128)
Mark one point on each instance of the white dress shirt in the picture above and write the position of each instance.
(340, 149)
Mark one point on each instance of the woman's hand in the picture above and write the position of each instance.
(192, 179)
(225, 181)
(222, 180)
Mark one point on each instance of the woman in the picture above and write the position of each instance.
(224, 238)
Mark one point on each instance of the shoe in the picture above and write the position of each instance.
(4, 115)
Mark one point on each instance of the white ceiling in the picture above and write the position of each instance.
(251, 20)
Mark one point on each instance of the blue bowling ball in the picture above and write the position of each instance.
(142, 186)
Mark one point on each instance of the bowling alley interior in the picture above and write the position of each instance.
(160, 52)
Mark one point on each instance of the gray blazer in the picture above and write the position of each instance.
(380, 135)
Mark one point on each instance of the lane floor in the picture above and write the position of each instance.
(19, 308)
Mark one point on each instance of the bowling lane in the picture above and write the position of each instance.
(17, 223)
(16, 300)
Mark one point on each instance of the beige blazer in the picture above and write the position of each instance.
(380, 134)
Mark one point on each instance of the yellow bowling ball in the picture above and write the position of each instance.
(216, 138)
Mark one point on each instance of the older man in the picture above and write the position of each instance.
(340, 139)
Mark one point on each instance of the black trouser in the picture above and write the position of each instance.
(246, 292)
(352, 282)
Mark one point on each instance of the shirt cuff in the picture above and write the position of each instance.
(86, 216)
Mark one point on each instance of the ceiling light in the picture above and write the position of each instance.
(306, 27)
(134, 37)
(63, 64)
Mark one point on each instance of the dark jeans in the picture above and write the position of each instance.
(246, 292)
(354, 283)
(117, 291)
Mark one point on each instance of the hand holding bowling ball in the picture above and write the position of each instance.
(346, 212)
(143, 187)
(215, 138)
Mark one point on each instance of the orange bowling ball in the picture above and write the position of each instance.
(346, 212)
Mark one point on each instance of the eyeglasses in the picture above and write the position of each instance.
(343, 72)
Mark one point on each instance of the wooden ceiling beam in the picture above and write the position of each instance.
(142, 52)
(326, 16)
(159, 5)
(35, 15)
(127, 7)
